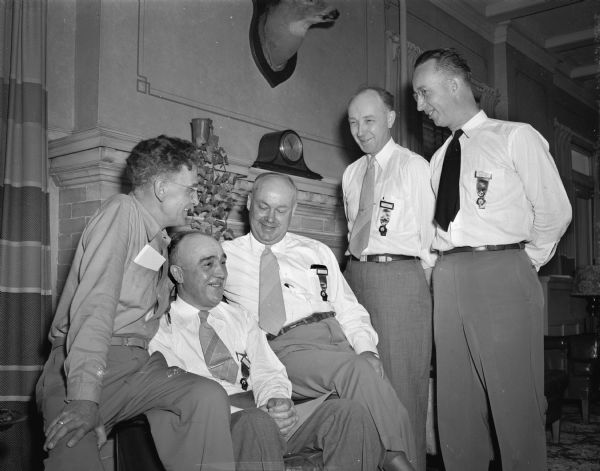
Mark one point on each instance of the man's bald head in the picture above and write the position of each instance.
(271, 206)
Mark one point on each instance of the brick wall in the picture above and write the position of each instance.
(87, 168)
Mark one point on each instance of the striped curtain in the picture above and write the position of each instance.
(25, 296)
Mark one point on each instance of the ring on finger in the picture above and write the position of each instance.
(60, 422)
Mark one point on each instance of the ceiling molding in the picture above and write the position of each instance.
(465, 14)
(501, 11)
(585, 71)
(564, 42)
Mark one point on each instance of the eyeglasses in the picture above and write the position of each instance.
(421, 93)
(192, 189)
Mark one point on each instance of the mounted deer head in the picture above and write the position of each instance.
(278, 29)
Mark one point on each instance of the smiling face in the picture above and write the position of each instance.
(199, 270)
(370, 121)
(271, 206)
(179, 195)
(436, 95)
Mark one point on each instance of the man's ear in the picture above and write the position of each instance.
(391, 118)
(454, 85)
(249, 201)
(176, 273)
(160, 189)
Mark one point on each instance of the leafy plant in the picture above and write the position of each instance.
(215, 194)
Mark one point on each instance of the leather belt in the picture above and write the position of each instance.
(116, 341)
(316, 317)
(483, 248)
(383, 258)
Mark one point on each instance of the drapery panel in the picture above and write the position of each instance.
(25, 293)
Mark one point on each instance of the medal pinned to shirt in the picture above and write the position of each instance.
(384, 216)
(483, 181)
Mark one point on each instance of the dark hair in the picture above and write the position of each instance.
(158, 156)
(386, 97)
(447, 60)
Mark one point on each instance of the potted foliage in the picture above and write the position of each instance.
(215, 194)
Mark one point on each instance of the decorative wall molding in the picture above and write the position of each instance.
(98, 156)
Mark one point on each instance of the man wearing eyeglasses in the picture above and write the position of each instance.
(99, 371)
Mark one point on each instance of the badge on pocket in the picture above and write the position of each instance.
(483, 181)
(385, 215)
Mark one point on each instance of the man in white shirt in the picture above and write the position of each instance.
(389, 267)
(501, 209)
(268, 427)
(321, 333)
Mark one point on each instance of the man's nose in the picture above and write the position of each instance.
(420, 103)
(271, 215)
(221, 270)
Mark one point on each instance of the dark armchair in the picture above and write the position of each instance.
(555, 380)
(584, 370)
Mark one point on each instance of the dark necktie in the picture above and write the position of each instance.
(448, 198)
(216, 355)
(271, 309)
(359, 238)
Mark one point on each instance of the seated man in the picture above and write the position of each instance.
(99, 371)
(222, 342)
(293, 287)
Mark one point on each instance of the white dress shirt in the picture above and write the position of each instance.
(525, 198)
(300, 284)
(402, 179)
(178, 340)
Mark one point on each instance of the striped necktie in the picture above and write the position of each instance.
(359, 238)
(271, 309)
(218, 360)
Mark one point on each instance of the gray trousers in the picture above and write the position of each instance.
(319, 359)
(340, 428)
(488, 329)
(398, 299)
(189, 415)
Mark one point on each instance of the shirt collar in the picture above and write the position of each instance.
(258, 247)
(152, 227)
(182, 313)
(474, 122)
(383, 156)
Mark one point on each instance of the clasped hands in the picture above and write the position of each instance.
(283, 412)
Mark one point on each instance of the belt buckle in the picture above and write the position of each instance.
(382, 258)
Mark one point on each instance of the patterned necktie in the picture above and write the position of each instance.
(216, 355)
(271, 310)
(359, 238)
(448, 199)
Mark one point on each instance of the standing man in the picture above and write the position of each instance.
(99, 371)
(501, 209)
(389, 206)
(203, 335)
(293, 287)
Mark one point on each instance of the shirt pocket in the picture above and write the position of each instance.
(485, 187)
(139, 288)
(388, 215)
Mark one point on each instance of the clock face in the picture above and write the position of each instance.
(290, 147)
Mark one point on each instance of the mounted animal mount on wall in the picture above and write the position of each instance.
(277, 30)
